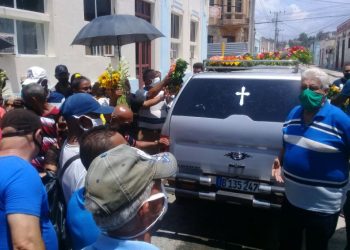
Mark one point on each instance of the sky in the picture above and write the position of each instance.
(338, 10)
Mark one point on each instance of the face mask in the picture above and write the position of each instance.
(157, 196)
(347, 75)
(94, 122)
(155, 81)
(311, 100)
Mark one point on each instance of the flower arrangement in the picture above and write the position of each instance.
(333, 91)
(298, 53)
(115, 79)
(178, 72)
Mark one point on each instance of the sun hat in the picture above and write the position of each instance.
(118, 176)
(34, 75)
(81, 104)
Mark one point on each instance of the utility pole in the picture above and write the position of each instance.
(276, 30)
(251, 37)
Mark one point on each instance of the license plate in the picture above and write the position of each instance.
(237, 184)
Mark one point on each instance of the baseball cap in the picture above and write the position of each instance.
(81, 104)
(34, 75)
(118, 176)
(60, 69)
(22, 120)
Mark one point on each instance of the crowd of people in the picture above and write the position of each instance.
(100, 163)
(102, 169)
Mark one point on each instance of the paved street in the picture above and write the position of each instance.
(207, 225)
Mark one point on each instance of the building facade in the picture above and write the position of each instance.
(342, 44)
(42, 32)
(327, 52)
(267, 44)
(228, 21)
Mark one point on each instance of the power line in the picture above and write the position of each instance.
(333, 2)
(326, 1)
(339, 20)
(300, 19)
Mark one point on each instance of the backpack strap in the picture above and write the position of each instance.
(66, 165)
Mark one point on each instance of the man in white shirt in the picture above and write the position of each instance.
(81, 112)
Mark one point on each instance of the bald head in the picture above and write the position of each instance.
(122, 114)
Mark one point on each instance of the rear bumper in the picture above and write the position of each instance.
(268, 196)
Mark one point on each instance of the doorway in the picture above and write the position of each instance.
(143, 50)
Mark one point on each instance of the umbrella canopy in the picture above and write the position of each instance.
(5, 44)
(116, 30)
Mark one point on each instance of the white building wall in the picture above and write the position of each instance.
(64, 18)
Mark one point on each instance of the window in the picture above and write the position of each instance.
(96, 8)
(238, 6)
(210, 39)
(107, 50)
(30, 36)
(31, 5)
(175, 37)
(349, 43)
(193, 31)
(229, 39)
(175, 26)
(192, 51)
(229, 5)
(174, 51)
(93, 9)
(216, 98)
(211, 3)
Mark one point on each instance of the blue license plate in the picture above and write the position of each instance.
(237, 184)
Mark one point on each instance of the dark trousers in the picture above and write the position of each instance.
(319, 228)
(346, 211)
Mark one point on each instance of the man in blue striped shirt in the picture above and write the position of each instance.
(315, 154)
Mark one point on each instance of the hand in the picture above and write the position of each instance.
(171, 70)
(164, 141)
(276, 170)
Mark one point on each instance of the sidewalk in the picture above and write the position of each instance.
(338, 241)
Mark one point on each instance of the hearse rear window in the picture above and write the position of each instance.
(261, 100)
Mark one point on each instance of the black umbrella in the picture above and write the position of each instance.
(5, 44)
(116, 30)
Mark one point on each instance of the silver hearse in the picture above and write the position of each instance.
(225, 131)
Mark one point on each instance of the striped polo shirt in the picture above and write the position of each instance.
(315, 165)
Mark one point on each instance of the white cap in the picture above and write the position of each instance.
(34, 74)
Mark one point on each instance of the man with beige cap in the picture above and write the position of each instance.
(126, 197)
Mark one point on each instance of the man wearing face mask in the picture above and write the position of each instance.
(124, 192)
(154, 109)
(314, 162)
(346, 71)
(81, 112)
(122, 119)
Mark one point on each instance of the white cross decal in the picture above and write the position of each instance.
(242, 94)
